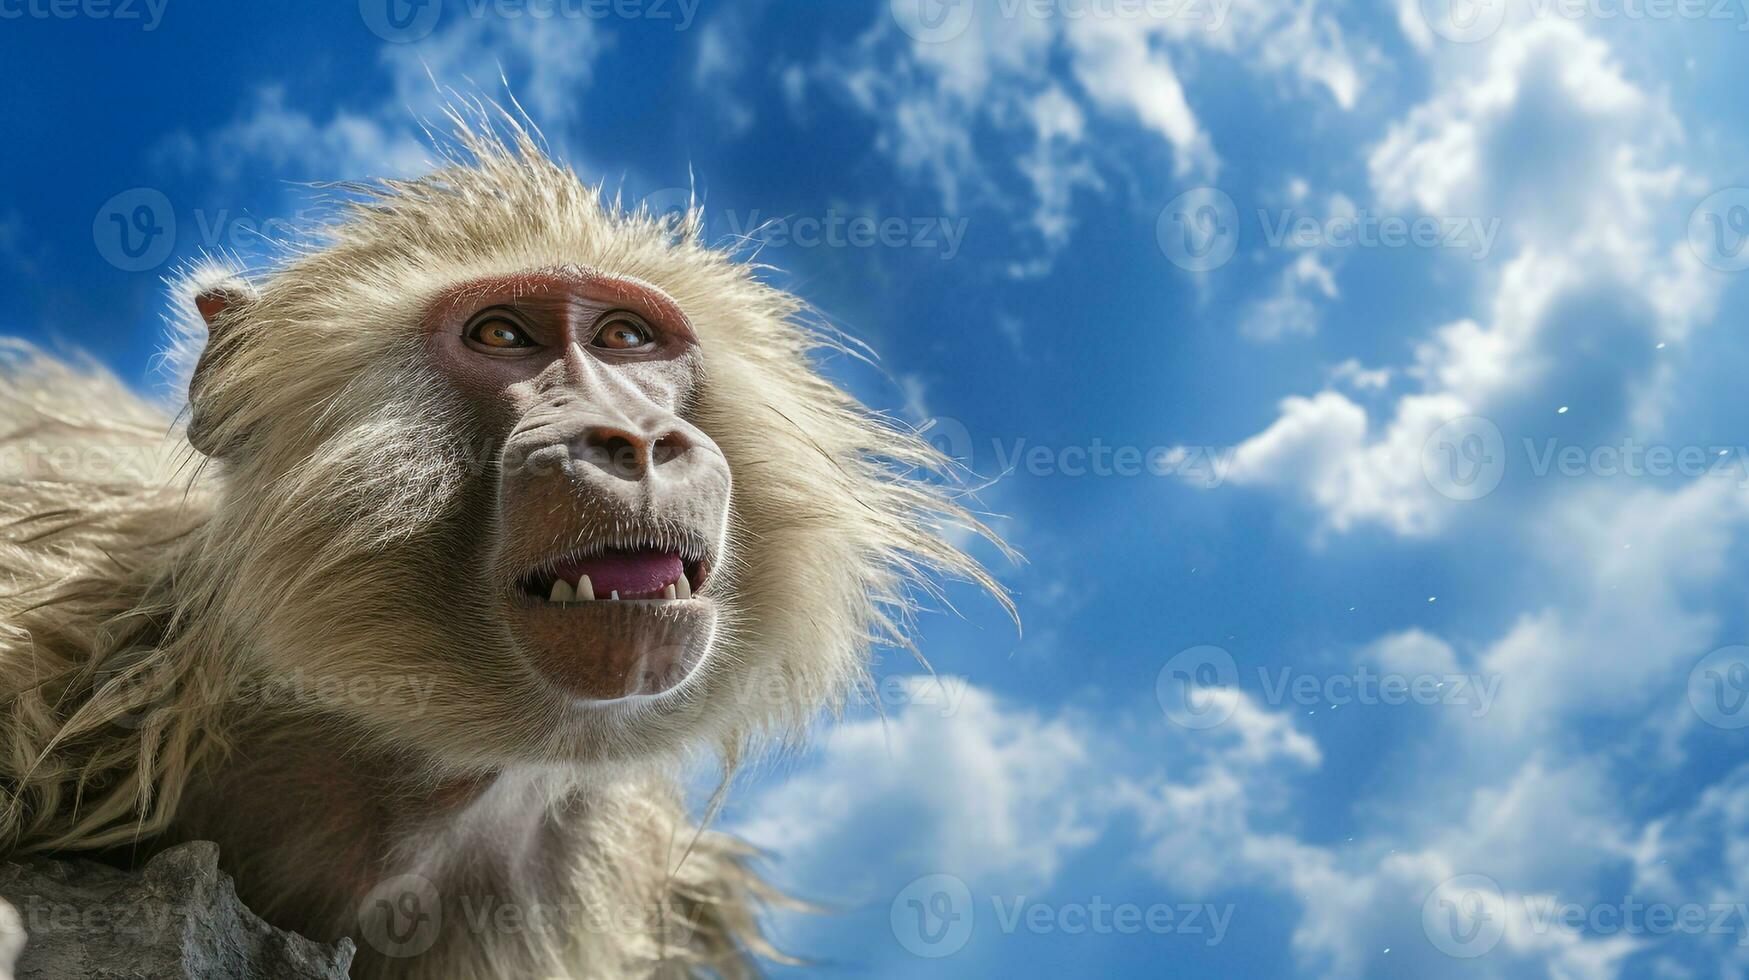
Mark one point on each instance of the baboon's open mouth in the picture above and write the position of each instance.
(618, 574)
(611, 622)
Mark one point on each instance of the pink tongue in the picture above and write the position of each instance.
(633, 574)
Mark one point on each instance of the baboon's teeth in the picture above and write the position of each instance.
(563, 592)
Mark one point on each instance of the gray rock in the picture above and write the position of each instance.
(178, 917)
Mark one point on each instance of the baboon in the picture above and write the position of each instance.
(496, 504)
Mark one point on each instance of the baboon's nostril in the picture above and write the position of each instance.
(671, 445)
(627, 453)
(624, 452)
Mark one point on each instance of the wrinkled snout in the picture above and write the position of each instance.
(661, 448)
(576, 472)
(652, 460)
(613, 521)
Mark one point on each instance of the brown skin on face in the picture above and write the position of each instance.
(581, 380)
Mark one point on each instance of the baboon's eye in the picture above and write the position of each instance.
(621, 332)
(498, 333)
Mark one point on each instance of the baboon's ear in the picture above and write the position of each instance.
(223, 303)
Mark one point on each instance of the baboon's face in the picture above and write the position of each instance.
(607, 510)
(489, 403)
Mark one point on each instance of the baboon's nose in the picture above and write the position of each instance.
(630, 453)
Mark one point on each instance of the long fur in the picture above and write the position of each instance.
(143, 586)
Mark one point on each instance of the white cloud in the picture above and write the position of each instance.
(1544, 130)
(1411, 653)
(549, 64)
(1052, 165)
(1542, 836)
(1639, 563)
(1516, 796)
(1005, 798)
(987, 792)
(1321, 447)
(1361, 377)
(1547, 132)
(1124, 71)
(719, 60)
(289, 140)
(950, 112)
(13, 251)
(1288, 310)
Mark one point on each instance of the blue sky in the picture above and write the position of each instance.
(1361, 382)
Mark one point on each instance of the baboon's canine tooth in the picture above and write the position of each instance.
(585, 590)
(561, 592)
(682, 587)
